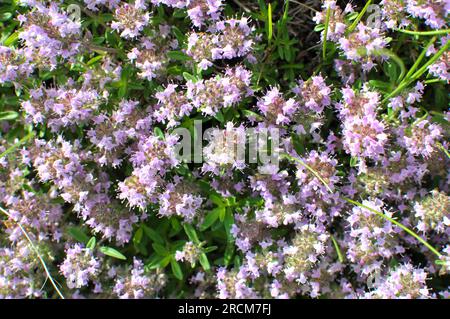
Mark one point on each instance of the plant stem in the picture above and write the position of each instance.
(442, 148)
(433, 59)
(20, 142)
(338, 249)
(409, 231)
(420, 58)
(359, 17)
(41, 260)
(435, 32)
(325, 33)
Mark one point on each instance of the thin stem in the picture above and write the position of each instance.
(433, 59)
(434, 81)
(325, 33)
(420, 58)
(359, 17)
(310, 169)
(442, 148)
(20, 142)
(418, 73)
(338, 249)
(49, 276)
(434, 32)
(409, 231)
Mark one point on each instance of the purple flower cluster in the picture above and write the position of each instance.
(50, 34)
(136, 284)
(227, 90)
(61, 108)
(79, 267)
(151, 159)
(130, 19)
(227, 39)
(199, 11)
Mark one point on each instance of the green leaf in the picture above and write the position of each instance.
(251, 114)
(158, 132)
(191, 233)
(211, 218)
(181, 37)
(78, 234)
(204, 262)
(153, 235)
(210, 249)
(269, 23)
(11, 39)
(319, 27)
(216, 200)
(109, 251)
(160, 249)
(178, 13)
(228, 222)
(91, 243)
(176, 269)
(298, 144)
(8, 115)
(157, 261)
(178, 56)
(219, 117)
(122, 91)
(4, 16)
(222, 213)
(229, 252)
(137, 238)
(94, 60)
(189, 77)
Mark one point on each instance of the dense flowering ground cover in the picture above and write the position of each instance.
(96, 200)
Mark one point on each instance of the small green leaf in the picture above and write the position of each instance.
(158, 132)
(191, 233)
(251, 114)
(176, 269)
(319, 27)
(229, 252)
(4, 16)
(153, 235)
(8, 115)
(222, 213)
(211, 218)
(204, 262)
(178, 56)
(189, 77)
(91, 243)
(157, 261)
(178, 13)
(353, 162)
(181, 37)
(216, 200)
(137, 238)
(11, 39)
(160, 249)
(109, 251)
(269, 23)
(78, 234)
(228, 222)
(210, 249)
(94, 60)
